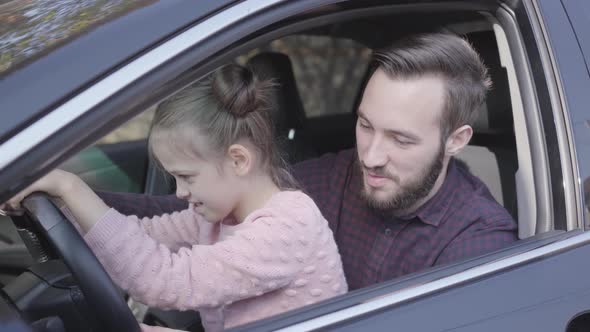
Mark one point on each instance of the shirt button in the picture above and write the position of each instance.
(388, 231)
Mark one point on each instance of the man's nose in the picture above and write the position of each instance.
(375, 155)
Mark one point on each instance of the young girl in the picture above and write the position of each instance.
(249, 246)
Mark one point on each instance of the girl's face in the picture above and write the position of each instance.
(210, 185)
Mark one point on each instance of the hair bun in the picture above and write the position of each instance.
(238, 91)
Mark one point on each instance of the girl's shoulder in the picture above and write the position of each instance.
(291, 199)
(293, 204)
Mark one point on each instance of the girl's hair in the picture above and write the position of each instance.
(226, 106)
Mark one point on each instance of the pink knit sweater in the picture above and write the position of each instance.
(281, 257)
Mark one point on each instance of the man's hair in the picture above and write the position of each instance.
(445, 55)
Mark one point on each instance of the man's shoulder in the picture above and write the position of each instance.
(474, 198)
(324, 178)
(474, 223)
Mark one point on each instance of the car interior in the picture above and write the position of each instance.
(491, 154)
(303, 137)
(319, 74)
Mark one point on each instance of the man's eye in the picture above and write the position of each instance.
(185, 177)
(364, 125)
(402, 142)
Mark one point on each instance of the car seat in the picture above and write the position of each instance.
(288, 114)
(491, 154)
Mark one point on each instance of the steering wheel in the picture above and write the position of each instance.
(57, 236)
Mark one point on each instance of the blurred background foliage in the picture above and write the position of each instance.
(31, 28)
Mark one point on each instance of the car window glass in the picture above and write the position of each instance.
(579, 14)
(29, 29)
(117, 161)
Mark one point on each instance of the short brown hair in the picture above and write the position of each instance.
(449, 56)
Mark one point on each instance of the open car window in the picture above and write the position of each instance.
(494, 154)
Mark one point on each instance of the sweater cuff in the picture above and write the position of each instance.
(105, 228)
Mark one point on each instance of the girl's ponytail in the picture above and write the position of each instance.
(239, 92)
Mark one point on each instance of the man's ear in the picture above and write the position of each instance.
(241, 159)
(458, 140)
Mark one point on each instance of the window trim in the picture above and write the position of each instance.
(530, 189)
(565, 191)
(572, 189)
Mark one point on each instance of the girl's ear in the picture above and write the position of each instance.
(458, 139)
(241, 159)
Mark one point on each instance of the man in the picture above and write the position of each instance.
(399, 202)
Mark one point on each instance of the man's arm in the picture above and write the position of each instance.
(142, 205)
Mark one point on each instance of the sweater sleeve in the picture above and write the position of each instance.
(175, 230)
(251, 262)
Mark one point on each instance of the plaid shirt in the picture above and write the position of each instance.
(461, 220)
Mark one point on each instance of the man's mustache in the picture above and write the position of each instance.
(380, 171)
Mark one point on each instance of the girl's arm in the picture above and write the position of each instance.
(85, 206)
(175, 230)
(251, 262)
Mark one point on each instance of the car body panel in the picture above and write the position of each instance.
(514, 297)
(578, 12)
(509, 301)
(393, 289)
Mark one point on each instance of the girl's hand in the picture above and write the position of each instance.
(85, 206)
(55, 184)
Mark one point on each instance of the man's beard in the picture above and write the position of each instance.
(409, 193)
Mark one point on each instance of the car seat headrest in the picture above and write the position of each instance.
(288, 112)
(496, 114)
